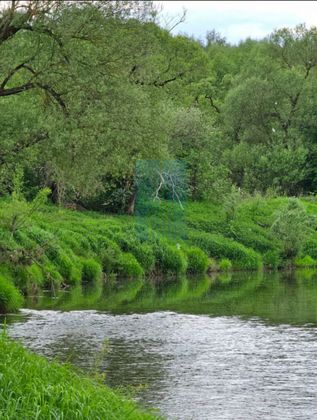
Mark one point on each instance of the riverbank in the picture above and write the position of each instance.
(49, 247)
(32, 387)
(173, 339)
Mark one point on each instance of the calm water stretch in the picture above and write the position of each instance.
(232, 347)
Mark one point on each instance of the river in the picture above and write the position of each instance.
(239, 346)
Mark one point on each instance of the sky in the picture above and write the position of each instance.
(237, 20)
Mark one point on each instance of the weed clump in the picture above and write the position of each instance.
(197, 260)
(91, 270)
(10, 298)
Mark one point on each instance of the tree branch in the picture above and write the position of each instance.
(22, 145)
(212, 104)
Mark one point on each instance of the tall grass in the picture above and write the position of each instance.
(33, 388)
(54, 246)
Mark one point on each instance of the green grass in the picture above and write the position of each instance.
(10, 298)
(33, 388)
(53, 246)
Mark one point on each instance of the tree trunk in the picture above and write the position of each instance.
(131, 204)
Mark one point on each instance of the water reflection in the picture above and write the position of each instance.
(239, 346)
(276, 297)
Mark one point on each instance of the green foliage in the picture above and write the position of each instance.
(35, 388)
(239, 117)
(10, 298)
(197, 260)
(128, 266)
(306, 261)
(51, 275)
(291, 226)
(272, 259)
(29, 278)
(91, 270)
(60, 247)
(218, 246)
(225, 264)
(310, 247)
(170, 258)
(68, 266)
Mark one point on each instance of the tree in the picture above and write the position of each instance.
(291, 226)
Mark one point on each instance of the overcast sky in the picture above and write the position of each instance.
(237, 20)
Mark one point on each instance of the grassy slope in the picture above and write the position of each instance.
(53, 246)
(33, 388)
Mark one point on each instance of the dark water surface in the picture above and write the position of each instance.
(241, 347)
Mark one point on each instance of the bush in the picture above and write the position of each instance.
(291, 227)
(69, 268)
(29, 278)
(306, 261)
(225, 264)
(272, 259)
(128, 265)
(10, 298)
(310, 248)
(145, 256)
(251, 235)
(197, 260)
(91, 270)
(51, 275)
(143, 252)
(109, 254)
(219, 247)
(169, 258)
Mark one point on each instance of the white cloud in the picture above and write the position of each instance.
(240, 19)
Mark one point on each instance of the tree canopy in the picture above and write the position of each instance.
(89, 88)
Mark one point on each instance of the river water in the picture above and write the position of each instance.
(233, 347)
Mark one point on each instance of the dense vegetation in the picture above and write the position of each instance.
(31, 387)
(104, 111)
(48, 247)
(89, 89)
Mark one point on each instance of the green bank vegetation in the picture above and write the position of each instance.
(102, 109)
(99, 103)
(48, 247)
(32, 387)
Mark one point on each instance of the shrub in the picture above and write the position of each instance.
(219, 247)
(272, 259)
(310, 248)
(169, 258)
(76, 241)
(69, 266)
(51, 274)
(127, 265)
(225, 264)
(306, 261)
(291, 227)
(10, 298)
(251, 235)
(109, 254)
(197, 260)
(143, 252)
(145, 256)
(91, 270)
(29, 278)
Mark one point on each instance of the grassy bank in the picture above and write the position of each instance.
(44, 246)
(33, 388)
